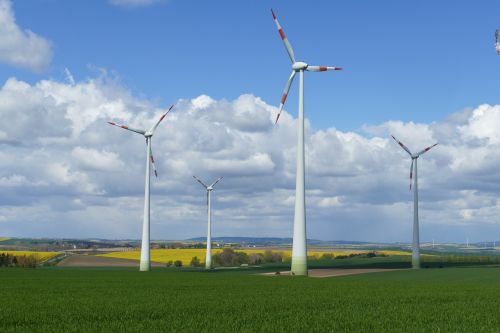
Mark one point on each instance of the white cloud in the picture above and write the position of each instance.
(483, 125)
(65, 172)
(97, 160)
(21, 48)
(134, 3)
(330, 202)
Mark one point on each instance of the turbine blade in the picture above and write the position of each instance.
(127, 128)
(152, 160)
(322, 68)
(411, 172)
(199, 181)
(402, 145)
(218, 180)
(285, 94)
(153, 129)
(427, 149)
(288, 46)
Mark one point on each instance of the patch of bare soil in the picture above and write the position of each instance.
(331, 272)
(78, 260)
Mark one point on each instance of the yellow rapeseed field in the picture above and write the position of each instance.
(166, 255)
(394, 252)
(40, 255)
(4, 239)
(185, 255)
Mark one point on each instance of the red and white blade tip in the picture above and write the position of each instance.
(277, 117)
(283, 98)
(274, 15)
(154, 166)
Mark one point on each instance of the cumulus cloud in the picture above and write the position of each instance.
(18, 47)
(65, 172)
(134, 3)
(329, 202)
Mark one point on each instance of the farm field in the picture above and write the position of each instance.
(40, 255)
(170, 300)
(77, 260)
(185, 255)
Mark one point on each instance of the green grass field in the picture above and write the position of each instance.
(119, 300)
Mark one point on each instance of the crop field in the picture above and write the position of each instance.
(185, 255)
(42, 256)
(169, 300)
(4, 239)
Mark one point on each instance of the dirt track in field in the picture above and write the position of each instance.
(78, 260)
(332, 272)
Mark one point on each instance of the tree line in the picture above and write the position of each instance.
(26, 261)
(230, 257)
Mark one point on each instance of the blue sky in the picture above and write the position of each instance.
(424, 71)
(413, 61)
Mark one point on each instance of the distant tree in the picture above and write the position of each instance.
(327, 256)
(272, 257)
(5, 259)
(30, 261)
(195, 262)
(371, 254)
(224, 258)
(170, 263)
(178, 263)
(241, 258)
(229, 257)
(255, 258)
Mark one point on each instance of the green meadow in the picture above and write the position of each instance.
(168, 300)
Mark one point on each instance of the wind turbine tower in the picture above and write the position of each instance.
(415, 258)
(299, 250)
(145, 264)
(208, 256)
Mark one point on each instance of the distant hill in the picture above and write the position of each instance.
(270, 241)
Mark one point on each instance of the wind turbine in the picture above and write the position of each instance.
(208, 256)
(299, 251)
(145, 263)
(415, 257)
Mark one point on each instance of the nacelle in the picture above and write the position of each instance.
(299, 65)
